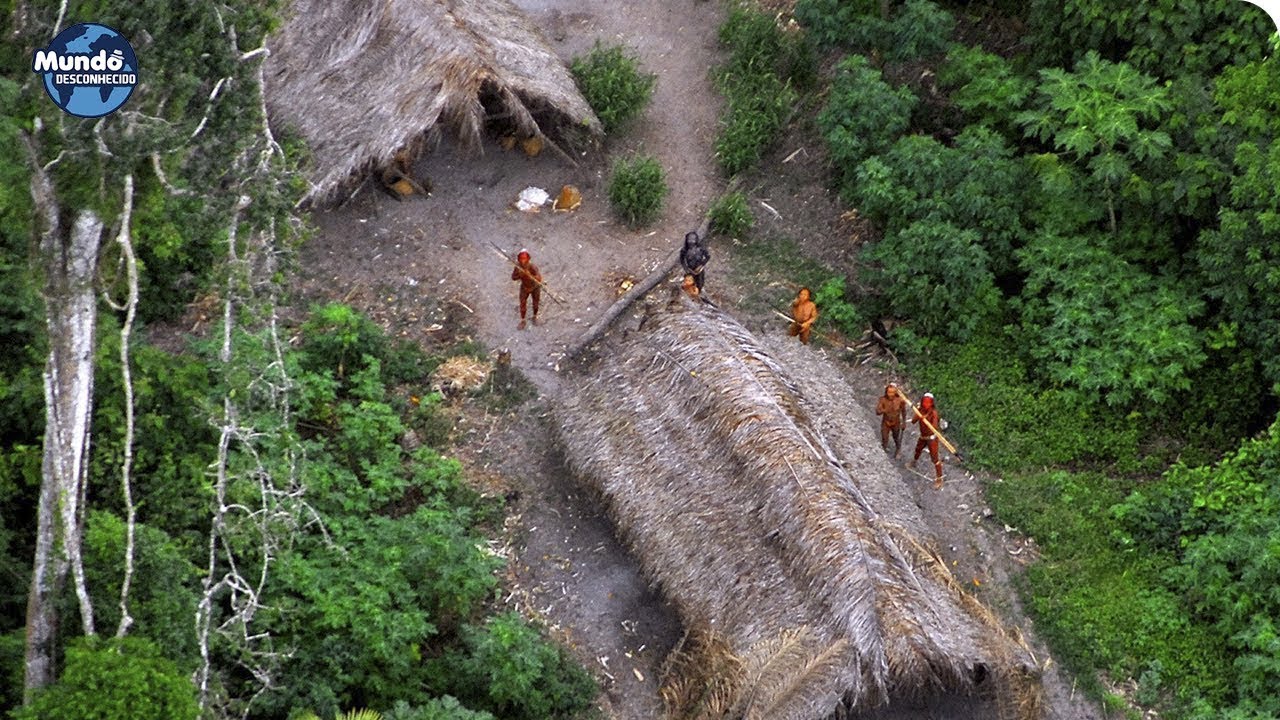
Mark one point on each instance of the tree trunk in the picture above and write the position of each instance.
(70, 261)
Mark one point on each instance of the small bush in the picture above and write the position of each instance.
(731, 216)
(511, 671)
(915, 29)
(758, 106)
(108, 681)
(637, 190)
(612, 83)
(863, 115)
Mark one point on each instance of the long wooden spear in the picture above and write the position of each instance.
(526, 273)
(945, 442)
(825, 336)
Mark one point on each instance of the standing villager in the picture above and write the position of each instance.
(892, 409)
(530, 284)
(927, 417)
(803, 314)
(694, 256)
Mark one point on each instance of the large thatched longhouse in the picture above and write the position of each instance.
(363, 79)
(801, 599)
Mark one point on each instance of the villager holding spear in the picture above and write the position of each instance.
(530, 284)
(927, 417)
(804, 313)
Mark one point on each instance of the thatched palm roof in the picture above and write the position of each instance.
(803, 599)
(361, 79)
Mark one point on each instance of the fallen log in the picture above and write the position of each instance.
(637, 291)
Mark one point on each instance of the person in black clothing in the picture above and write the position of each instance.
(694, 256)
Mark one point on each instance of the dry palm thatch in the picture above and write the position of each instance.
(717, 475)
(362, 79)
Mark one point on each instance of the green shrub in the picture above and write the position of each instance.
(731, 216)
(637, 190)
(114, 680)
(985, 86)
(936, 275)
(613, 85)
(830, 297)
(914, 29)
(757, 80)
(757, 108)
(511, 671)
(444, 708)
(863, 115)
(758, 46)
(1101, 607)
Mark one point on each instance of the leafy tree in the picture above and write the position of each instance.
(975, 183)
(1160, 37)
(1102, 325)
(863, 115)
(937, 275)
(444, 708)
(107, 681)
(1238, 260)
(1105, 116)
(985, 86)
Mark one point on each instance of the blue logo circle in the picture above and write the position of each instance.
(89, 70)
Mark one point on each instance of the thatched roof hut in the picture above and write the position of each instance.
(362, 79)
(802, 599)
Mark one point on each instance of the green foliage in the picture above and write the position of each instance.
(1008, 422)
(349, 715)
(12, 657)
(638, 189)
(162, 593)
(730, 215)
(976, 183)
(985, 86)
(613, 84)
(832, 299)
(765, 63)
(863, 115)
(444, 708)
(917, 28)
(937, 275)
(113, 680)
(758, 46)
(1237, 260)
(173, 444)
(1102, 608)
(757, 108)
(1160, 37)
(1222, 523)
(1105, 116)
(511, 671)
(1101, 325)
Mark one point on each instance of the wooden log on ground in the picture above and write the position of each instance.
(660, 273)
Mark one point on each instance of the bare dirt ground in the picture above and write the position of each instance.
(425, 270)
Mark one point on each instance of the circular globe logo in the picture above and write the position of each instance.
(89, 70)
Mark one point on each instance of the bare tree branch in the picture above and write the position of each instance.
(126, 467)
